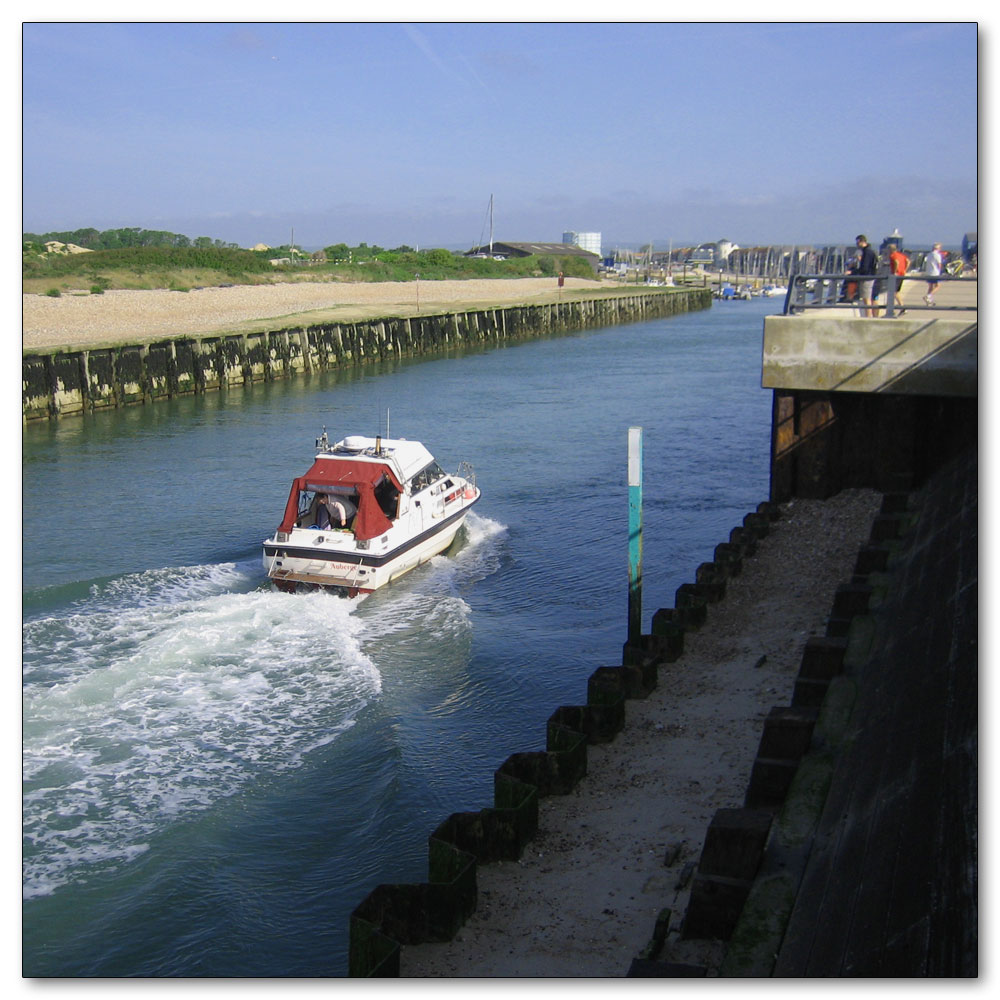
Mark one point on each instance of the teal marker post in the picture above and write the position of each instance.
(634, 534)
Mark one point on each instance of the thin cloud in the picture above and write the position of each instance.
(419, 39)
(475, 76)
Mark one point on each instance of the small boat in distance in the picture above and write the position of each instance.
(366, 511)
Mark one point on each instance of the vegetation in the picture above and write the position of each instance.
(137, 258)
(118, 239)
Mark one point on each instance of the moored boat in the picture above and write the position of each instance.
(367, 511)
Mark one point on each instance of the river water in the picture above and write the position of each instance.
(216, 773)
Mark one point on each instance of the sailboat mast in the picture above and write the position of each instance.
(491, 225)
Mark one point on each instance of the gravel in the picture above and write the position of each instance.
(118, 317)
(585, 895)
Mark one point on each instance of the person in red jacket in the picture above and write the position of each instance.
(898, 264)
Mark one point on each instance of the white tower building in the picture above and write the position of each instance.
(585, 241)
(723, 249)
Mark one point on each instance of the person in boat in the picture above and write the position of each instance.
(337, 511)
(322, 513)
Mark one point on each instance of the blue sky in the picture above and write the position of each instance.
(393, 133)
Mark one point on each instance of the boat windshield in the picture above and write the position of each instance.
(427, 475)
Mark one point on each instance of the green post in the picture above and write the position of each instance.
(634, 534)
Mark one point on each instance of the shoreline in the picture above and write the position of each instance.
(583, 899)
(128, 353)
(122, 316)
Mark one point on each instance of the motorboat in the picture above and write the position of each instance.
(366, 511)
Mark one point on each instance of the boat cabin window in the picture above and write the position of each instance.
(325, 509)
(427, 475)
(388, 497)
(307, 509)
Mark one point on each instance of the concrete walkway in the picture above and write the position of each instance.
(949, 297)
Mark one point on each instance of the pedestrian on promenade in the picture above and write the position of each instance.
(867, 266)
(898, 263)
(932, 268)
(849, 289)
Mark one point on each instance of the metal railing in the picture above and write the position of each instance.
(834, 291)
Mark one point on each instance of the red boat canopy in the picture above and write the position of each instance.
(370, 520)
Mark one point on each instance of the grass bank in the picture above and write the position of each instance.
(186, 269)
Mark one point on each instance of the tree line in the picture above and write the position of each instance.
(146, 260)
(125, 255)
(126, 238)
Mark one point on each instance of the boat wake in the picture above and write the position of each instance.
(166, 691)
(160, 693)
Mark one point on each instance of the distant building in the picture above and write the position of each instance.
(702, 256)
(585, 241)
(54, 246)
(541, 249)
(894, 237)
(723, 249)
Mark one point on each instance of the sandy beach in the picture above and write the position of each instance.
(583, 899)
(80, 320)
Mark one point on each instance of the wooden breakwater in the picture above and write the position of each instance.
(393, 915)
(62, 382)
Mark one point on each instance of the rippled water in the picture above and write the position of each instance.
(216, 773)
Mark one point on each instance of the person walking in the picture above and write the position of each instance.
(898, 263)
(932, 268)
(867, 266)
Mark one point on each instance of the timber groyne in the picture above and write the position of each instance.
(394, 915)
(65, 381)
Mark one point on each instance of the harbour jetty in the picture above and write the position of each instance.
(148, 358)
(848, 846)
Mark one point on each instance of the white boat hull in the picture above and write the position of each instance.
(329, 562)
(366, 512)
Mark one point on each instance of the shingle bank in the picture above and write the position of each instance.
(61, 382)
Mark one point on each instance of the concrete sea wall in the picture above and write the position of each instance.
(755, 887)
(62, 382)
(864, 402)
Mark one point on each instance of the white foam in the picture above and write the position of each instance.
(141, 712)
(164, 691)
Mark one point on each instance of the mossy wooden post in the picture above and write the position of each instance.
(634, 534)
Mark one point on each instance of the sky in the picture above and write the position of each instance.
(395, 132)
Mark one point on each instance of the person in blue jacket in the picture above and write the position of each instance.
(866, 269)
